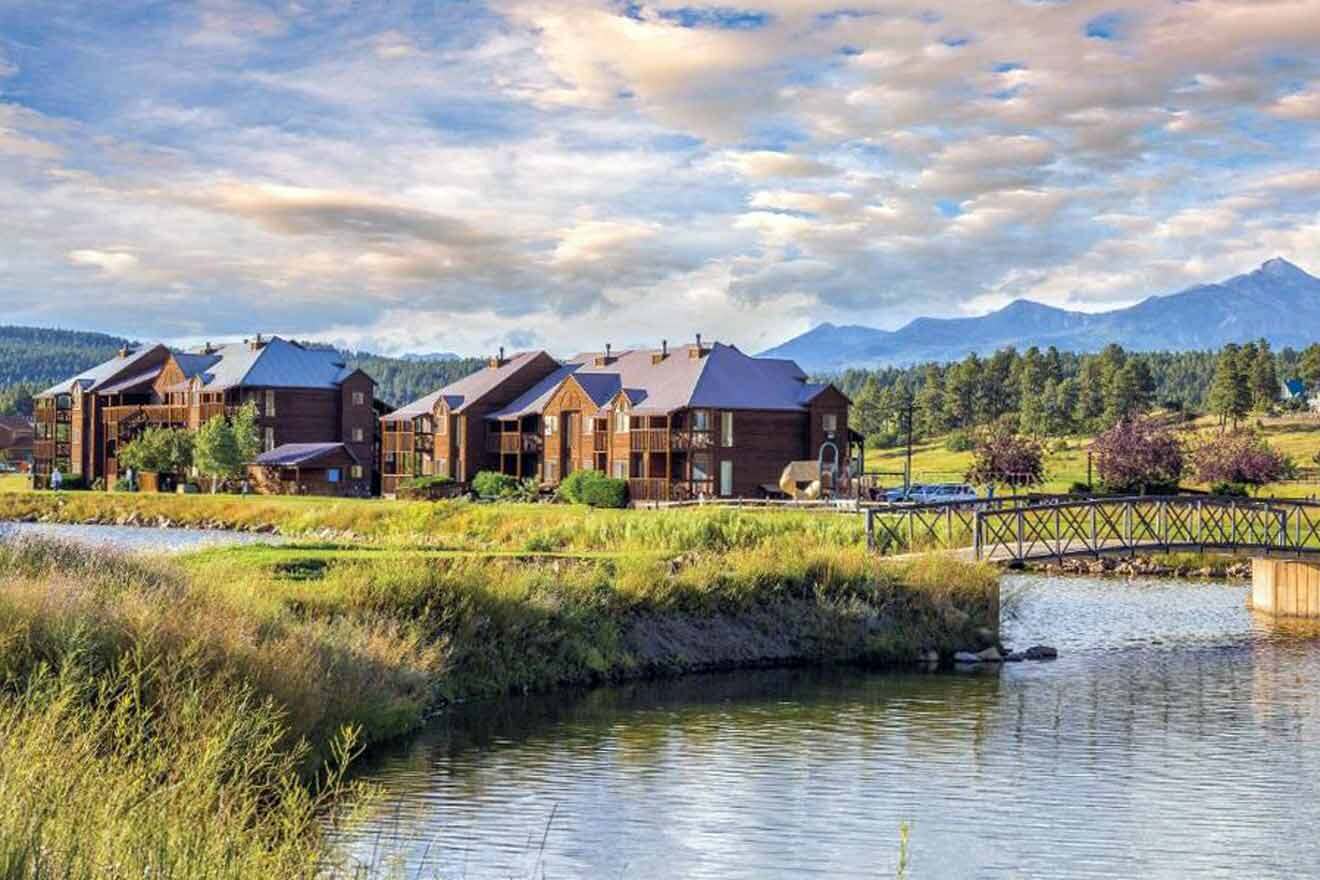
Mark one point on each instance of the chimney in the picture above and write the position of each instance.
(607, 358)
(664, 352)
(123, 352)
(698, 351)
(497, 360)
(257, 344)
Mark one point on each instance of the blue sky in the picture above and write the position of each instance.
(456, 175)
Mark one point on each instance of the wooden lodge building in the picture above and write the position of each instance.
(697, 420)
(16, 438)
(302, 396)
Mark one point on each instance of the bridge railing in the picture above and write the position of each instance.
(1127, 525)
(939, 525)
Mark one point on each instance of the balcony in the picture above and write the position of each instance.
(513, 442)
(154, 414)
(687, 440)
(659, 489)
(648, 439)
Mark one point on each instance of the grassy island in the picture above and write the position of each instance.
(192, 717)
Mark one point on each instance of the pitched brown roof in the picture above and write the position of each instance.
(470, 389)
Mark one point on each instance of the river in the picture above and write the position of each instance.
(135, 539)
(1176, 736)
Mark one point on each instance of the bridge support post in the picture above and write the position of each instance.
(1285, 588)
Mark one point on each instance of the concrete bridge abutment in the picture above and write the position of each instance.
(1285, 588)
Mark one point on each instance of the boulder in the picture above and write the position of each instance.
(990, 655)
(1040, 652)
(966, 657)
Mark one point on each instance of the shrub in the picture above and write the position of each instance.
(493, 484)
(1138, 456)
(1079, 488)
(123, 485)
(1003, 457)
(594, 489)
(959, 441)
(427, 482)
(1240, 457)
(1229, 490)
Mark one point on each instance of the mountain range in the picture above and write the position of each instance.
(1277, 301)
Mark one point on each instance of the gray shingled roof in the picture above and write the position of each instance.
(94, 378)
(723, 378)
(466, 391)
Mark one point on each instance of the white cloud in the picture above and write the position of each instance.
(112, 264)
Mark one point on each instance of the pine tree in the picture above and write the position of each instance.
(1230, 392)
(1264, 379)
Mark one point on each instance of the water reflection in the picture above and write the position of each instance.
(1177, 735)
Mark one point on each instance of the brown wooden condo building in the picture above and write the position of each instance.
(696, 420)
(302, 396)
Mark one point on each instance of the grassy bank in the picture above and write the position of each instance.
(187, 718)
(448, 525)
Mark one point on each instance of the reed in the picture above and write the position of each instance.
(193, 718)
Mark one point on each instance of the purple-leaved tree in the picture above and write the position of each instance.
(1138, 456)
(1241, 458)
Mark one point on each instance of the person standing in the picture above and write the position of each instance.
(56, 479)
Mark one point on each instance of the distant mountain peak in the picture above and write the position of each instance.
(1277, 301)
(1278, 267)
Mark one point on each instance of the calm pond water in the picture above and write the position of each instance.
(133, 538)
(1176, 736)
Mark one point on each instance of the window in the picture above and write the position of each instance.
(355, 471)
(588, 425)
(830, 422)
(62, 432)
(726, 429)
(726, 478)
(701, 466)
(622, 423)
(700, 420)
(332, 475)
(621, 470)
(358, 434)
(359, 398)
(270, 439)
(270, 403)
(551, 425)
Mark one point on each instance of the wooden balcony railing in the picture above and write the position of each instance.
(659, 489)
(648, 439)
(156, 414)
(685, 440)
(513, 442)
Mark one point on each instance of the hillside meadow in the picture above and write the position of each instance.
(1065, 461)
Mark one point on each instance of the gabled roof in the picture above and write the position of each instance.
(469, 390)
(94, 378)
(16, 424)
(301, 454)
(136, 382)
(1295, 387)
(721, 378)
(273, 363)
(533, 400)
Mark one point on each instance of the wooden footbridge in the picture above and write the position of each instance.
(1012, 531)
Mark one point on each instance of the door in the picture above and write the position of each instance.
(568, 441)
(726, 478)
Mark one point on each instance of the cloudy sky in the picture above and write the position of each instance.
(457, 174)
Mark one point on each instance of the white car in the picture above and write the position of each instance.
(942, 492)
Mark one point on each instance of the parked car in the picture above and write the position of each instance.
(899, 493)
(942, 492)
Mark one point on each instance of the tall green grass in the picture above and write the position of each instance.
(193, 718)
